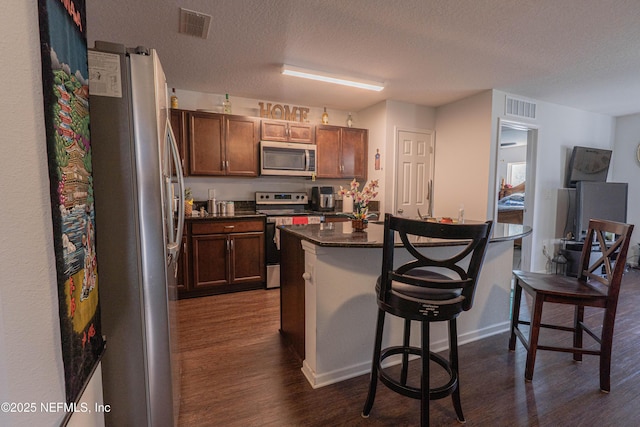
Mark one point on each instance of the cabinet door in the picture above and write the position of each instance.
(179, 126)
(247, 257)
(328, 162)
(354, 153)
(300, 132)
(206, 144)
(241, 141)
(209, 260)
(273, 131)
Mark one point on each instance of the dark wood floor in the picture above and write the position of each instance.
(237, 372)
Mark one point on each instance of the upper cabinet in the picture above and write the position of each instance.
(342, 152)
(241, 145)
(212, 144)
(220, 144)
(279, 130)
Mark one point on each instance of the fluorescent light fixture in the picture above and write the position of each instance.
(289, 70)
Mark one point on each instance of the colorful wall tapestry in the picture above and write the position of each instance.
(63, 44)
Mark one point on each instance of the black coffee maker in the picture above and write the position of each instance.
(322, 199)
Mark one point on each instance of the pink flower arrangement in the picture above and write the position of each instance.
(361, 199)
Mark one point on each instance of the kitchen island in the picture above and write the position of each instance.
(328, 301)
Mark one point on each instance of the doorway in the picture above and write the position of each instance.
(414, 174)
(515, 176)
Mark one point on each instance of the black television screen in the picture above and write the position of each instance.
(599, 200)
(588, 164)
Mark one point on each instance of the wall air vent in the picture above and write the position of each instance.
(194, 23)
(520, 108)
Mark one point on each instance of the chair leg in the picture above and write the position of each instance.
(405, 355)
(578, 332)
(515, 314)
(453, 361)
(605, 352)
(375, 363)
(534, 333)
(424, 383)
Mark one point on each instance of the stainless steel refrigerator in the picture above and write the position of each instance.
(137, 174)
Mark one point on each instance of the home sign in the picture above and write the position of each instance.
(283, 112)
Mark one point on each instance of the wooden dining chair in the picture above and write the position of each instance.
(425, 289)
(597, 285)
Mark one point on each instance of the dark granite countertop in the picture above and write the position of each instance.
(340, 234)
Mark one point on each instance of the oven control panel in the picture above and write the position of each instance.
(276, 198)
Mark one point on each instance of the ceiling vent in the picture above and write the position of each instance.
(520, 108)
(194, 23)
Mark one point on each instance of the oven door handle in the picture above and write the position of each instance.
(307, 160)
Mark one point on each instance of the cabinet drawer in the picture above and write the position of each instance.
(216, 227)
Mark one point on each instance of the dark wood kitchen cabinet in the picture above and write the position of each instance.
(226, 256)
(284, 131)
(342, 152)
(206, 144)
(218, 144)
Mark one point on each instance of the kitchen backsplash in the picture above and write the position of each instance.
(238, 189)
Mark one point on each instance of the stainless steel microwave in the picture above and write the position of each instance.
(287, 158)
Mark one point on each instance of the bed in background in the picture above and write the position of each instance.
(511, 204)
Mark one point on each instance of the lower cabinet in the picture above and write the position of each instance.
(226, 256)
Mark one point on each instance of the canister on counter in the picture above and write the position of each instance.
(230, 208)
(222, 208)
(212, 206)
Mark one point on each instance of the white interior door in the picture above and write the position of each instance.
(414, 173)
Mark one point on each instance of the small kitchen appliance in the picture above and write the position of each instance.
(322, 199)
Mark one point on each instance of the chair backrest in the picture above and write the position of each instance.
(457, 272)
(608, 268)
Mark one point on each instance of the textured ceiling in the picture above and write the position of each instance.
(579, 53)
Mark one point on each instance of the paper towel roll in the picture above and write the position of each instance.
(347, 204)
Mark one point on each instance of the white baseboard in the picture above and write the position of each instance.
(324, 379)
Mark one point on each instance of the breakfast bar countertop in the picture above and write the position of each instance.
(340, 234)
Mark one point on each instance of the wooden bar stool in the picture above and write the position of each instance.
(425, 290)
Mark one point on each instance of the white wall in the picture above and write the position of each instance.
(627, 169)
(463, 157)
(559, 129)
(31, 367)
(374, 119)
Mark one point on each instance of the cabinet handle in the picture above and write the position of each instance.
(230, 227)
(227, 245)
(232, 245)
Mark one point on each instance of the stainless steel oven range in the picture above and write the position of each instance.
(282, 208)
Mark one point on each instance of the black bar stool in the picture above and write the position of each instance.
(425, 290)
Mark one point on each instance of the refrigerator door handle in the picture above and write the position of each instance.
(173, 246)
